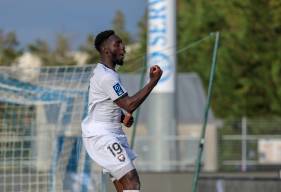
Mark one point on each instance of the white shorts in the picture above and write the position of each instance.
(112, 152)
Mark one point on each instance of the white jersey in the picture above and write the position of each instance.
(103, 114)
(103, 137)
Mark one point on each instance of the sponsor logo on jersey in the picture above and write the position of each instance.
(118, 89)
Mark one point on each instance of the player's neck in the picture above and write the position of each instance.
(108, 63)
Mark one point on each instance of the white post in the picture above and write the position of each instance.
(162, 51)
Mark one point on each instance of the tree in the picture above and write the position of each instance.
(89, 48)
(9, 48)
(134, 63)
(61, 55)
(119, 24)
(41, 49)
(250, 61)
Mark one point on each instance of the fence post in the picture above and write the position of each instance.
(244, 144)
(104, 178)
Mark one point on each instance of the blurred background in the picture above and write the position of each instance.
(46, 58)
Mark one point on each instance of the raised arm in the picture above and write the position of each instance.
(131, 103)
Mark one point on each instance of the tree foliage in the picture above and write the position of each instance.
(9, 47)
(134, 59)
(249, 61)
(89, 48)
(119, 24)
(60, 55)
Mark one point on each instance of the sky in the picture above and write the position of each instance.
(34, 19)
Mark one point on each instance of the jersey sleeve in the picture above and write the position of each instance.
(113, 87)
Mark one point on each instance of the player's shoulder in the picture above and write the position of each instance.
(102, 69)
(103, 74)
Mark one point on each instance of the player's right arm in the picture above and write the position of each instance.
(131, 103)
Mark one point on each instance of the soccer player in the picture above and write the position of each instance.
(103, 137)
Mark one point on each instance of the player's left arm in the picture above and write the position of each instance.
(114, 89)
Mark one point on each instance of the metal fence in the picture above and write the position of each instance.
(181, 160)
(250, 145)
(239, 183)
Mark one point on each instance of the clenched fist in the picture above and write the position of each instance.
(128, 120)
(155, 73)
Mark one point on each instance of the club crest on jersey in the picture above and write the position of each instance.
(118, 89)
(121, 158)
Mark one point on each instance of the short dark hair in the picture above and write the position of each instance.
(101, 37)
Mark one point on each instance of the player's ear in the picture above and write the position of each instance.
(105, 50)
